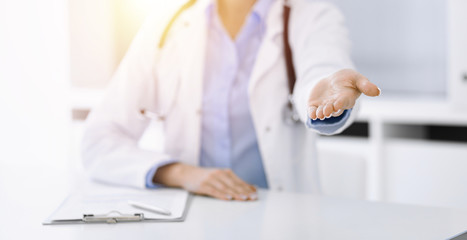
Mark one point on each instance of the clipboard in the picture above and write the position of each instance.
(114, 208)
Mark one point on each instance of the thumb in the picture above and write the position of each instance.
(368, 88)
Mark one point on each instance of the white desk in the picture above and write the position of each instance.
(25, 204)
(278, 216)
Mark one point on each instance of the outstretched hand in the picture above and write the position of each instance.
(338, 92)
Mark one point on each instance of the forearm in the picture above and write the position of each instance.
(171, 175)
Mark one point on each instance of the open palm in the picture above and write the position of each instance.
(333, 94)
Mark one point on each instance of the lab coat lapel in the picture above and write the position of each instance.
(193, 45)
(271, 48)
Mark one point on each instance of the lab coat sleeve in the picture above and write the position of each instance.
(330, 125)
(110, 150)
(321, 47)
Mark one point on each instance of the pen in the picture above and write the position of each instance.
(148, 207)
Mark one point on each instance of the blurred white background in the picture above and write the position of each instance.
(57, 56)
(35, 110)
(400, 44)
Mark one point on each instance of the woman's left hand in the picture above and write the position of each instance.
(338, 92)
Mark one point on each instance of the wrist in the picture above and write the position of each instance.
(170, 175)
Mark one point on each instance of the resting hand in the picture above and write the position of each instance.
(217, 183)
(338, 92)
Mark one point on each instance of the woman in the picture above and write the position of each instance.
(218, 81)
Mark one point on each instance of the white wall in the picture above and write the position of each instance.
(457, 19)
(34, 113)
(34, 80)
(92, 42)
(399, 44)
(100, 33)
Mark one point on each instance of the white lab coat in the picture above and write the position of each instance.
(169, 82)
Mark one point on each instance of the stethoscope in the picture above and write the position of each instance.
(291, 116)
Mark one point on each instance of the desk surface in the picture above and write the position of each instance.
(279, 215)
(276, 215)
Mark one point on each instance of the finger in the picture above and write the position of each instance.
(245, 192)
(239, 181)
(338, 113)
(240, 193)
(244, 188)
(211, 191)
(231, 186)
(367, 87)
(319, 112)
(328, 110)
(312, 112)
(344, 102)
(339, 104)
(254, 195)
(223, 187)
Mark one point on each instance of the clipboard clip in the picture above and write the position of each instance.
(113, 217)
